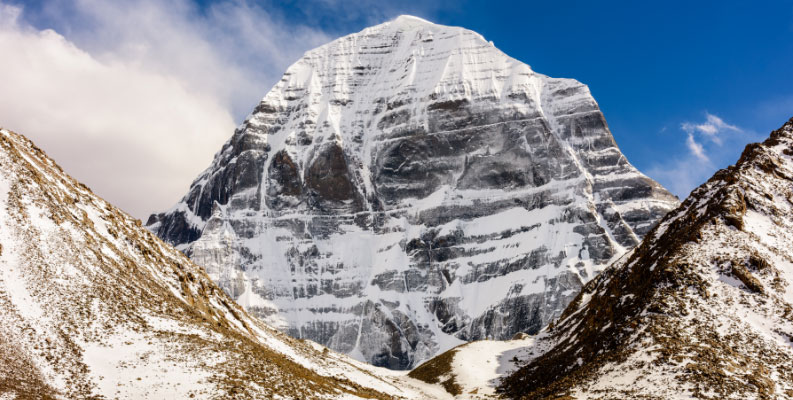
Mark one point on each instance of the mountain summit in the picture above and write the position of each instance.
(408, 188)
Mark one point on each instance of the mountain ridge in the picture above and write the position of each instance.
(93, 305)
(703, 308)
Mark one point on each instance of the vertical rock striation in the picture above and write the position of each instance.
(410, 187)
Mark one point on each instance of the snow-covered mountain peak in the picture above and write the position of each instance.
(406, 19)
(403, 29)
(404, 23)
(409, 187)
(411, 60)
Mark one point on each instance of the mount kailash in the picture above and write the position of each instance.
(408, 188)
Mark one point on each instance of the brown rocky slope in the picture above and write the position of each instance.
(92, 305)
(703, 308)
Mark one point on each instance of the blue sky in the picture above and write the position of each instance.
(683, 85)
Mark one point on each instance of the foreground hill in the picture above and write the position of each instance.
(703, 308)
(410, 187)
(92, 305)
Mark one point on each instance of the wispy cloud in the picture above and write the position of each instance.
(696, 149)
(711, 128)
(135, 97)
(710, 144)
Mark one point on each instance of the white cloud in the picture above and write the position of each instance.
(232, 49)
(716, 124)
(695, 148)
(711, 128)
(711, 144)
(133, 98)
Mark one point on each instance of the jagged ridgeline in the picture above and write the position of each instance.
(408, 188)
(94, 306)
(703, 308)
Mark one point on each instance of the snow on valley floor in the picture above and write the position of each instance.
(474, 369)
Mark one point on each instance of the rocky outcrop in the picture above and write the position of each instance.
(410, 187)
(703, 308)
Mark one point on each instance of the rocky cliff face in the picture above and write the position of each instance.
(92, 305)
(411, 187)
(703, 308)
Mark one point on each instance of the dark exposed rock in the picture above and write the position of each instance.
(328, 178)
(285, 176)
(174, 227)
